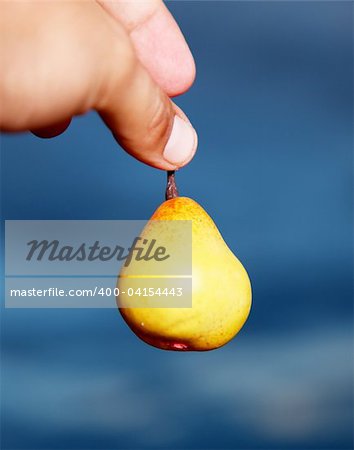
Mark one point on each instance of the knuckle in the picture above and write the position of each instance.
(160, 123)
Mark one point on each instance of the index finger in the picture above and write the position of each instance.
(158, 41)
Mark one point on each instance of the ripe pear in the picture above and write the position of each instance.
(221, 289)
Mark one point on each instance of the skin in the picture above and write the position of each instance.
(124, 59)
(221, 290)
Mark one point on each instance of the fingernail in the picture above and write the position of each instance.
(181, 144)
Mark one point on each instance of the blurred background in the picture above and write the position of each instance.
(273, 106)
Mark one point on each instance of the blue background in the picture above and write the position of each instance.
(272, 104)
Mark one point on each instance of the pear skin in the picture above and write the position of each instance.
(221, 289)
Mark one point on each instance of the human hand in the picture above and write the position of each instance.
(121, 58)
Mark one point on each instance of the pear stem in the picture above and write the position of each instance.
(171, 188)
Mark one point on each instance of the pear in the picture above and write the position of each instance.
(220, 288)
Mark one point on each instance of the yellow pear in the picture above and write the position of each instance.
(220, 288)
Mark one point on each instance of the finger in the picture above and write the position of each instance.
(53, 130)
(158, 42)
(51, 62)
(146, 123)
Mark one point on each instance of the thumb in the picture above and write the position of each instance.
(143, 119)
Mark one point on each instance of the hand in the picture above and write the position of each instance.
(122, 58)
